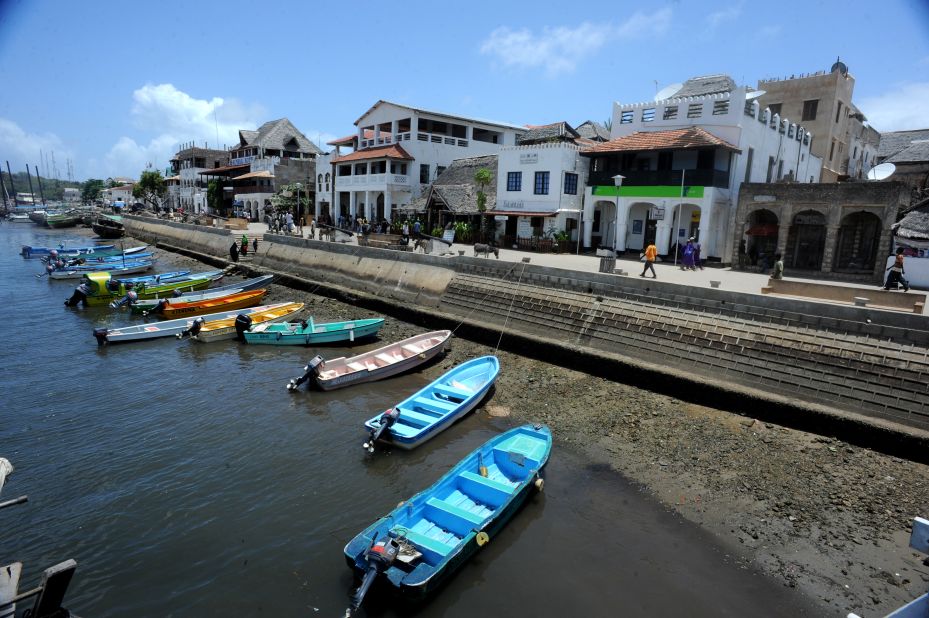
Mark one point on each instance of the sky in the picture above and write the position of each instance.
(114, 86)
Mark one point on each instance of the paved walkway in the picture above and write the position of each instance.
(730, 279)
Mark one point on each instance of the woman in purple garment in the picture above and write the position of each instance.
(688, 254)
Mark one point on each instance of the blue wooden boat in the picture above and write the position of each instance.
(151, 278)
(308, 332)
(30, 252)
(436, 406)
(174, 277)
(425, 539)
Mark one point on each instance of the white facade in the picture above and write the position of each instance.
(541, 180)
(378, 185)
(769, 149)
(72, 195)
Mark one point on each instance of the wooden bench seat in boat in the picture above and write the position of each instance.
(357, 366)
(483, 489)
(435, 404)
(452, 391)
(387, 358)
(412, 348)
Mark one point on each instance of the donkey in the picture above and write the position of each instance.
(486, 250)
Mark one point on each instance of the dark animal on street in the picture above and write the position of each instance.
(486, 250)
(421, 243)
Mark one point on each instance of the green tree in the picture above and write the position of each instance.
(90, 191)
(483, 178)
(151, 188)
(214, 196)
(608, 124)
(285, 200)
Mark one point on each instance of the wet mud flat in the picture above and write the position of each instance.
(829, 518)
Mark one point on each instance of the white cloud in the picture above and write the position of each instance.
(23, 148)
(769, 32)
(560, 49)
(899, 109)
(714, 20)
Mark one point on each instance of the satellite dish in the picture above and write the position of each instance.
(882, 171)
(668, 91)
(754, 94)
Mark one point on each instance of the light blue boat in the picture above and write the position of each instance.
(30, 252)
(310, 333)
(425, 539)
(436, 406)
(174, 277)
(153, 278)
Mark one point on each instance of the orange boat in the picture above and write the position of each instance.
(172, 308)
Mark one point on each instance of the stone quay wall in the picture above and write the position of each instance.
(806, 361)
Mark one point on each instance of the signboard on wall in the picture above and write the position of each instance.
(656, 213)
(524, 227)
(528, 158)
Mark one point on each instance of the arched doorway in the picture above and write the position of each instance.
(856, 245)
(761, 229)
(603, 227)
(806, 241)
(641, 227)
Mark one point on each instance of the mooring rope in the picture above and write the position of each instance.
(510, 309)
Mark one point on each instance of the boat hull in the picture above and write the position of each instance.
(369, 374)
(147, 305)
(227, 330)
(78, 273)
(295, 334)
(150, 292)
(241, 300)
(468, 502)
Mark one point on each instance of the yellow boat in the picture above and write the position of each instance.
(233, 328)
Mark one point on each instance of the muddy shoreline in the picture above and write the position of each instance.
(816, 513)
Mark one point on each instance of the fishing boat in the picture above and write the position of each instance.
(180, 275)
(167, 328)
(18, 217)
(235, 327)
(99, 288)
(63, 219)
(30, 252)
(378, 364)
(76, 272)
(143, 306)
(434, 407)
(308, 332)
(91, 260)
(107, 228)
(419, 544)
(179, 307)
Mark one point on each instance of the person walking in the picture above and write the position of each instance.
(651, 253)
(244, 249)
(895, 273)
(688, 256)
(778, 272)
(697, 261)
(417, 227)
(234, 252)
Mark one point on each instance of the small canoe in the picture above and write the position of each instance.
(436, 406)
(30, 252)
(107, 228)
(378, 364)
(173, 277)
(78, 272)
(168, 328)
(90, 260)
(178, 308)
(152, 278)
(147, 305)
(67, 219)
(98, 288)
(419, 544)
(235, 327)
(310, 333)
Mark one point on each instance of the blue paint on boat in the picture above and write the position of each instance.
(437, 405)
(441, 527)
(309, 332)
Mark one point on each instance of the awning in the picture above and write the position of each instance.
(226, 170)
(764, 229)
(522, 213)
(261, 174)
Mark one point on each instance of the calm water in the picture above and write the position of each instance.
(186, 481)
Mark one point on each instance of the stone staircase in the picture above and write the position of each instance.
(772, 351)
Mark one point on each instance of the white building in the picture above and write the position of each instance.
(72, 195)
(398, 151)
(683, 160)
(188, 165)
(122, 193)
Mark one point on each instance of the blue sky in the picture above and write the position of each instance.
(114, 85)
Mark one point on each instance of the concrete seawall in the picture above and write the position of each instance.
(857, 373)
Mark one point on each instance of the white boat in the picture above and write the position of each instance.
(71, 273)
(377, 364)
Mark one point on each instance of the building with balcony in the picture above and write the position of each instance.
(682, 160)
(275, 155)
(397, 152)
(187, 165)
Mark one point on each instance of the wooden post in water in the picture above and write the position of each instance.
(39, 178)
(30, 184)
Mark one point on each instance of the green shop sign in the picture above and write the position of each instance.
(654, 191)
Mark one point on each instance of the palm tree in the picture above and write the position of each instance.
(482, 177)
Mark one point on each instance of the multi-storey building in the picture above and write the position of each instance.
(823, 103)
(674, 166)
(187, 165)
(397, 151)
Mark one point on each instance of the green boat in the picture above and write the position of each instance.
(310, 333)
(63, 219)
(99, 288)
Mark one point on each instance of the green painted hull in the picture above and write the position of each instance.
(295, 333)
(148, 292)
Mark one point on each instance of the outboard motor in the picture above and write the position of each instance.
(193, 330)
(311, 370)
(388, 418)
(379, 558)
(159, 309)
(49, 269)
(129, 299)
(242, 323)
(79, 296)
(112, 286)
(177, 293)
(100, 336)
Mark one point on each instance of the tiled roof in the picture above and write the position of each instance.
(548, 132)
(893, 142)
(674, 139)
(593, 130)
(391, 151)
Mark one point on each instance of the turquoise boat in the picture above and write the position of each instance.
(419, 544)
(310, 333)
(436, 406)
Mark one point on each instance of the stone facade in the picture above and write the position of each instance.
(832, 204)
